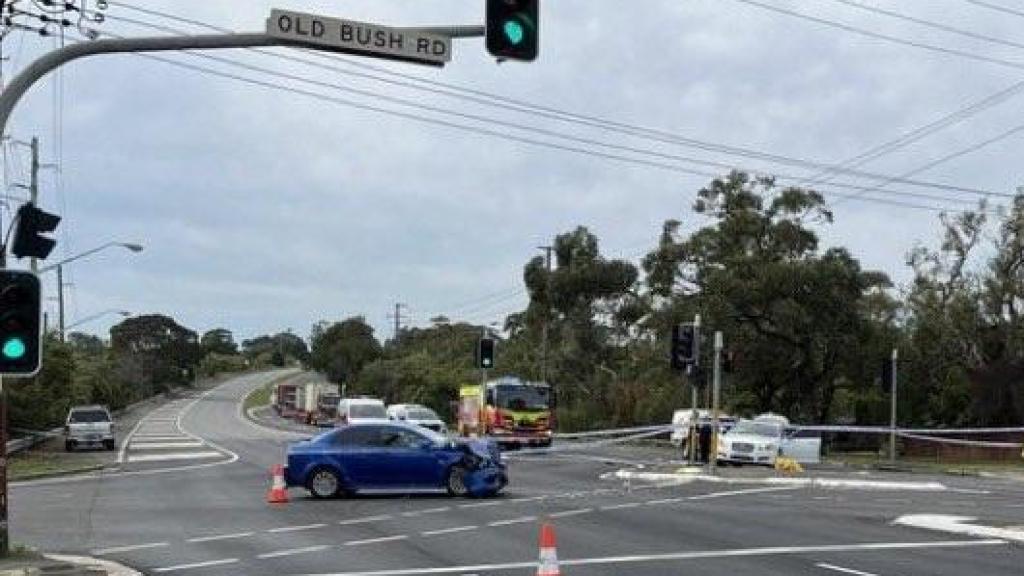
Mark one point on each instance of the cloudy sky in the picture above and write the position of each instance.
(264, 209)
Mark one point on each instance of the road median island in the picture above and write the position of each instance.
(694, 474)
(29, 562)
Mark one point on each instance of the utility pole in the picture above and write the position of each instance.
(892, 413)
(33, 189)
(547, 311)
(691, 374)
(60, 301)
(715, 399)
(398, 317)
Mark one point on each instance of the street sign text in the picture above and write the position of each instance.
(360, 37)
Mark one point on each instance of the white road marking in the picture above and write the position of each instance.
(448, 530)
(621, 506)
(295, 528)
(522, 520)
(835, 568)
(124, 443)
(365, 519)
(220, 537)
(570, 513)
(172, 456)
(969, 491)
(526, 499)
(377, 540)
(118, 549)
(293, 551)
(662, 501)
(689, 555)
(165, 445)
(959, 525)
(711, 495)
(196, 565)
(482, 504)
(159, 437)
(412, 513)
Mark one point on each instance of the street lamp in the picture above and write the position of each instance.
(122, 313)
(126, 245)
(59, 267)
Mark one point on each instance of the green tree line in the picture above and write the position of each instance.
(145, 355)
(806, 327)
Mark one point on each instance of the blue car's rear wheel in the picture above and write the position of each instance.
(456, 482)
(324, 483)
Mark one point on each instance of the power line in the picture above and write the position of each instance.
(962, 152)
(996, 7)
(930, 24)
(879, 36)
(528, 108)
(922, 132)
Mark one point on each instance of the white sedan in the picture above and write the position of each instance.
(761, 441)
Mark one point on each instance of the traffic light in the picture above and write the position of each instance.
(513, 28)
(685, 346)
(28, 238)
(485, 353)
(887, 376)
(20, 334)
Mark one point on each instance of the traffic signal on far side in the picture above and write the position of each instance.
(20, 326)
(887, 376)
(485, 353)
(685, 346)
(29, 238)
(513, 29)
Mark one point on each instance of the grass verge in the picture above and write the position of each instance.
(261, 396)
(33, 464)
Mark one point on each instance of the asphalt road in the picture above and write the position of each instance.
(208, 515)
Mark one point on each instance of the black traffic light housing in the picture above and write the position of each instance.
(513, 29)
(20, 325)
(485, 353)
(685, 349)
(29, 239)
(886, 382)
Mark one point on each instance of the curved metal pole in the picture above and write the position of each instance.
(48, 62)
(55, 265)
(97, 316)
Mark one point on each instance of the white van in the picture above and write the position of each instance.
(353, 410)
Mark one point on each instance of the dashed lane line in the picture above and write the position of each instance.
(381, 540)
(681, 556)
(448, 530)
(842, 570)
(365, 519)
(119, 549)
(521, 520)
(293, 551)
(220, 537)
(567, 513)
(663, 501)
(621, 506)
(413, 513)
(295, 528)
(482, 504)
(194, 565)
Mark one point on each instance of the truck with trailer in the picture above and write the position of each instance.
(316, 403)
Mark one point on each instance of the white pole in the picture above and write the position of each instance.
(715, 398)
(892, 414)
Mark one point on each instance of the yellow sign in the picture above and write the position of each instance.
(465, 391)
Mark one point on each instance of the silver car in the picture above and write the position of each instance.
(419, 415)
(89, 426)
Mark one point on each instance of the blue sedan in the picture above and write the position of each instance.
(393, 457)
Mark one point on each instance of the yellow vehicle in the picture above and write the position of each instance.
(512, 411)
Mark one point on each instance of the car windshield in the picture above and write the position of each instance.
(435, 437)
(89, 416)
(421, 414)
(367, 411)
(767, 429)
(524, 397)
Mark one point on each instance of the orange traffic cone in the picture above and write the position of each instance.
(548, 563)
(278, 493)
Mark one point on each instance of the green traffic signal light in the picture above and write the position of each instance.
(14, 348)
(514, 31)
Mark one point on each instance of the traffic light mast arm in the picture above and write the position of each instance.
(52, 60)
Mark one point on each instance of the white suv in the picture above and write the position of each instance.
(89, 426)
